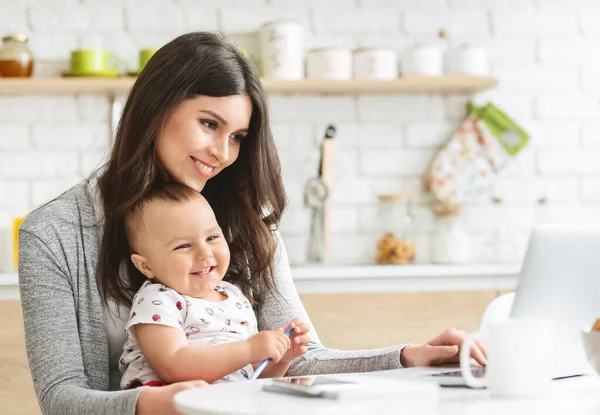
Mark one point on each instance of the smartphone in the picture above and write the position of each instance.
(313, 387)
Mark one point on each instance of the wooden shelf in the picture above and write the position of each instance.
(409, 84)
(62, 86)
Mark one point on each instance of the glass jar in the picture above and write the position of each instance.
(396, 243)
(451, 244)
(16, 59)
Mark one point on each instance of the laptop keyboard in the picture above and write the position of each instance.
(477, 372)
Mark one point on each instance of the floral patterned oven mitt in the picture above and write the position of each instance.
(483, 144)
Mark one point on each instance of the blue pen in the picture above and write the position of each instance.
(265, 362)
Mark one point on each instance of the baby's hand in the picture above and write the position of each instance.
(268, 344)
(299, 337)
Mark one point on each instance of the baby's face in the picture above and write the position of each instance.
(184, 246)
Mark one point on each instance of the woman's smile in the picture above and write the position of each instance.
(204, 169)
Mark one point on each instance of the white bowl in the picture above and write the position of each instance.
(591, 344)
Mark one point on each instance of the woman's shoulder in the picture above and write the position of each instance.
(73, 207)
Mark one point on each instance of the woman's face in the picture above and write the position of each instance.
(202, 137)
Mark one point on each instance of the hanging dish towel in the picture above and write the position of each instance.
(483, 144)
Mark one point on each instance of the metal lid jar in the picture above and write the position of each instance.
(16, 59)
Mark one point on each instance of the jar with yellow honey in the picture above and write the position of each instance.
(396, 243)
(16, 59)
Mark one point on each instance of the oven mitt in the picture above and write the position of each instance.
(483, 144)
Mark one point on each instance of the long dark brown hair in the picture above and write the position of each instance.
(248, 197)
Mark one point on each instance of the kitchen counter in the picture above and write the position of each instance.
(376, 278)
(405, 278)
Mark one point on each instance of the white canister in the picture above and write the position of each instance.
(451, 244)
(375, 63)
(281, 50)
(468, 59)
(423, 60)
(329, 63)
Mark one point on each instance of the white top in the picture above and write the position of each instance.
(205, 323)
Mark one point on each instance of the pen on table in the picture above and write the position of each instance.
(265, 362)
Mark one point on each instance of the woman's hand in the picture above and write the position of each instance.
(268, 344)
(445, 348)
(159, 399)
(299, 338)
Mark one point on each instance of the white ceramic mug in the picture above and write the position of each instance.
(519, 358)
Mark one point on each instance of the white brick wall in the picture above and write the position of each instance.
(569, 50)
(428, 21)
(13, 17)
(534, 23)
(545, 54)
(368, 21)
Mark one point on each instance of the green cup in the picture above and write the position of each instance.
(145, 55)
(90, 60)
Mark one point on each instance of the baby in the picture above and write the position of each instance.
(186, 323)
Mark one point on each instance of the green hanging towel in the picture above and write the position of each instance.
(485, 142)
(511, 136)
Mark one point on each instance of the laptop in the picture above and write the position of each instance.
(559, 280)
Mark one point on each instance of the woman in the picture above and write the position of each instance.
(196, 115)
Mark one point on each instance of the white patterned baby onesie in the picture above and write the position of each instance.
(205, 323)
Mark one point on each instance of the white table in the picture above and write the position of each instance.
(574, 396)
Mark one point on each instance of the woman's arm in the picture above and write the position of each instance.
(276, 312)
(52, 338)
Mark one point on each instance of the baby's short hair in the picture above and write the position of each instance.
(171, 192)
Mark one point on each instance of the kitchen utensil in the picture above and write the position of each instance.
(316, 197)
(315, 194)
(326, 172)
